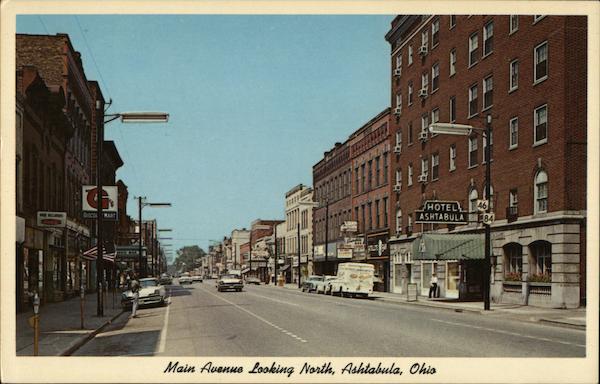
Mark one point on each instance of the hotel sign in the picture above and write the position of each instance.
(441, 212)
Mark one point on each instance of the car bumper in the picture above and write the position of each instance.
(225, 287)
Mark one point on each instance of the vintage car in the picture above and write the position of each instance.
(196, 279)
(229, 282)
(185, 278)
(310, 284)
(323, 285)
(165, 279)
(252, 280)
(151, 292)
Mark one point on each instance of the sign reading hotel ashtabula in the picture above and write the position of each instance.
(441, 212)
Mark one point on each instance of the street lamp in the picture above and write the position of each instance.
(126, 117)
(466, 130)
(141, 204)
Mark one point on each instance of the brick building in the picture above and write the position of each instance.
(529, 74)
(255, 256)
(298, 219)
(332, 177)
(371, 156)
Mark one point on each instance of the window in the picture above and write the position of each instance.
(453, 157)
(409, 180)
(362, 176)
(452, 109)
(377, 214)
(424, 80)
(541, 253)
(410, 54)
(513, 254)
(425, 38)
(513, 24)
(488, 38)
(385, 212)
(435, 77)
(541, 192)
(514, 75)
(399, 102)
(399, 137)
(541, 125)
(424, 166)
(435, 166)
(399, 61)
(473, 101)
(435, 33)
(409, 223)
(453, 62)
(364, 226)
(424, 122)
(435, 117)
(377, 170)
(513, 198)
(488, 92)
(472, 151)
(540, 57)
(473, 196)
(370, 215)
(410, 133)
(473, 41)
(514, 132)
(398, 176)
(385, 168)
(537, 18)
(356, 190)
(399, 221)
(452, 21)
(370, 175)
(410, 93)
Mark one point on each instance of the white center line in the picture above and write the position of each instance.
(256, 316)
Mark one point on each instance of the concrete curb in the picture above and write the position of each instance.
(563, 324)
(429, 305)
(80, 342)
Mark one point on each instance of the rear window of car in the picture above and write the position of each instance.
(148, 283)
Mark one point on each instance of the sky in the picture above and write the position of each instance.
(254, 101)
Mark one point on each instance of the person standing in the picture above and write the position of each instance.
(433, 286)
(135, 289)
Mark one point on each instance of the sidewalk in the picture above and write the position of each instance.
(60, 325)
(572, 318)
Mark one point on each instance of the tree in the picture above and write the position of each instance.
(188, 257)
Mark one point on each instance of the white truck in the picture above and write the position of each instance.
(353, 279)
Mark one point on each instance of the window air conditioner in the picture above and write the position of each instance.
(398, 72)
(398, 148)
(423, 135)
(423, 92)
(398, 111)
(423, 178)
(397, 187)
(423, 50)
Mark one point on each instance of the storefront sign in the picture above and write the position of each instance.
(378, 246)
(129, 253)
(411, 292)
(441, 212)
(51, 219)
(349, 226)
(89, 202)
(344, 253)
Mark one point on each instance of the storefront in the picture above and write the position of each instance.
(378, 252)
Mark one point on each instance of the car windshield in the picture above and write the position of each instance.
(315, 278)
(331, 277)
(230, 277)
(148, 283)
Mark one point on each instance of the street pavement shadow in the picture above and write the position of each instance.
(115, 343)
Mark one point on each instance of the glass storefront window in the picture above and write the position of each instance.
(426, 269)
(453, 276)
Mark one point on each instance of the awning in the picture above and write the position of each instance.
(284, 268)
(107, 253)
(245, 270)
(434, 246)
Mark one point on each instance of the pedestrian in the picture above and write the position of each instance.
(135, 290)
(433, 283)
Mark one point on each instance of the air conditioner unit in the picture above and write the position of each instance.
(423, 178)
(398, 72)
(423, 50)
(398, 148)
(423, 135)
(397, 187)
(423, 92)
(398, 111)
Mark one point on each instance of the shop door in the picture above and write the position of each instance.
(452, 279)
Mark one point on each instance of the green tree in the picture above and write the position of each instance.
(188, 257)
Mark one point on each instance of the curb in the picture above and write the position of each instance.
(559, 323)
(84, 339)
(425, 304)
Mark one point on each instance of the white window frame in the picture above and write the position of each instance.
(409, 180)
(399, 221)
(425, 38)
(537, 18)
(453, 62)
(410, 55)
(513, 198)
(471, 98)
(424, 80)
(424, 166)
(541, 178)
(399, 61)
(484, 140)
(513, 127)
(485, 90)
(536, 123)
(399, 177)
(487, 37)
(435, 28)
(452, 21)
(435, 74)
(535, 62)
(473, 47)
(425, 122)
(513, 69)
(510, 24)
(435, 163)
(473, 213)
(399, 100)
(452, 151)
(473, 148)
(399, 137)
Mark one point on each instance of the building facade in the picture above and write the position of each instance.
(529, 74)
(298, 234)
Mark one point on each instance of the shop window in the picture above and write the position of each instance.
(513, 262)
(541, 261)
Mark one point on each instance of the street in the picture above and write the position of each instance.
(269, 321)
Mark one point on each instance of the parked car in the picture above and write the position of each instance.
(230, 282)
(323, 286)
(310, 284)
(196, 279)
(353, 279)
(165, 279)
(253, 280)
(185, 278)
(151, 292)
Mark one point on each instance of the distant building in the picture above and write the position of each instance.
(298, 219)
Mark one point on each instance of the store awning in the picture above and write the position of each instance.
(284, 268)
(434, 246)
(245, 270)
(108, 254)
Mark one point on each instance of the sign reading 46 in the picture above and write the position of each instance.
(483, 205)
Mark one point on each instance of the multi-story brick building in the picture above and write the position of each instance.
(255, 256)
(332, 177)
(529, 74)
(298, 219)
(371, 155)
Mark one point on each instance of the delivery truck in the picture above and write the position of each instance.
(353, 279)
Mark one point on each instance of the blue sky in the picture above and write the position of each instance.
(254, 101)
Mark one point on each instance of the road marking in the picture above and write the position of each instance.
(270, 298)
(509, 333)
(163, 331)
(257, 316)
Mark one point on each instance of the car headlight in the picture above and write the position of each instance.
(157, 291)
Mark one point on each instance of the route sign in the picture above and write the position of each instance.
(487, 218)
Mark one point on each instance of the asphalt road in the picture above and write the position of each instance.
(270, 321)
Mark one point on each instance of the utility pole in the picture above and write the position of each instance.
(276, 255)
(99, 227)
(326, 270)
(250, 253)
(488, 182)
(140, 270)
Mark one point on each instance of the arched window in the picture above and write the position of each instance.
(541, 261)
(399, 221)
(491, 199)
(513, 262)
(541, 192)
(473, 196)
